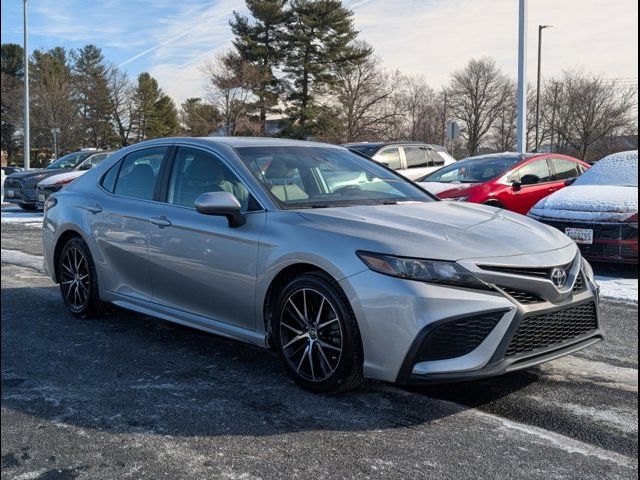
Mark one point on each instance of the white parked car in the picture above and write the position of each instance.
(599, 210)
(412, 160)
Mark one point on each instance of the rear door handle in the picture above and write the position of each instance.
(160, 221)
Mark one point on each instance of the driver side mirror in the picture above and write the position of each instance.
(221, 204)
(517, 186)
(530, 179)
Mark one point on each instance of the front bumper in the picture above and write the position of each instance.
(43, 193)
(18, 193)
(396, 318)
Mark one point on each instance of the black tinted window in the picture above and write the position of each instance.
(565, 169)
(195, 172)
(137, 177)
(108, 181)
(416, 157)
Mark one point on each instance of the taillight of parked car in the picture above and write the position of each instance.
(50, 203)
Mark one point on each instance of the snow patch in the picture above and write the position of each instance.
(619, 169)
(625, 289)
(17, 215)
(21, 259)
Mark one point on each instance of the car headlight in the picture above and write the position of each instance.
(430, 271)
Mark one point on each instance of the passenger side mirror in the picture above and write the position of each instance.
(530, 179)
(517, 186)
(221, 204)
(569, 182)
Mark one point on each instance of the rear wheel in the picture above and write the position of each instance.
(78, 280)
(317, 335)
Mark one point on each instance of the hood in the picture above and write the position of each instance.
(447, 189)
(589, 203)
(36, 175)
(61, 177)
(439, 230)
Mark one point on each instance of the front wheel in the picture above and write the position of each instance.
(317, 335)
(78, 280)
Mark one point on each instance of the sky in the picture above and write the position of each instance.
(172, 38)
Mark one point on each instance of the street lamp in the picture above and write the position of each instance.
(27, 142)
(522, 77)
(540, 29)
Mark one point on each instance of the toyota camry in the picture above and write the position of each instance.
(343, 266)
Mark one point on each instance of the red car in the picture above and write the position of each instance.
(512, 181)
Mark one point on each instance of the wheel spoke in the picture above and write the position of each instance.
(299, 315)
(289, 327)
(319, 312)
(327, 323)
(330, 347)
(324, 357)
(295, 339)
(304, 304)
(304, 355)
(310, 354)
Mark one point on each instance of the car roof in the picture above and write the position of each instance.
(239, 142)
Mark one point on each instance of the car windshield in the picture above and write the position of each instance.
(364, 148)
(317, 177)
(92, 161)
(71, 160)
(473, 170)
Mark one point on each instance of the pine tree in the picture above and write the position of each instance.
(155, 113)
(259, 42)
(90, 74)
(320, 37)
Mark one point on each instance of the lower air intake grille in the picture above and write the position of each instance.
(579, 285)
(523, 297)
(541, 331)
(458, 337)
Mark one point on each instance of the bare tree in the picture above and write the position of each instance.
(477, 95)
(591, 109)
(230, 82)
(122, 104)
(360, 99)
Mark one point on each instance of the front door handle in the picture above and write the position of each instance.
(160, 221)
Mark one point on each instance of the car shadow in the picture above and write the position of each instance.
(127, 373)
(609, 269)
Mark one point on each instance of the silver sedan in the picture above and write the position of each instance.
(344, 267)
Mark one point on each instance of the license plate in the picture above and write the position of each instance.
(10, 193)
(580, 235)
(42, 197)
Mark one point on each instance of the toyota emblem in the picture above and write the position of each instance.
(559, 277)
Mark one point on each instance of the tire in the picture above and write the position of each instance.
(78, 280)
(324, 369)
(27, 207)
(494, 203)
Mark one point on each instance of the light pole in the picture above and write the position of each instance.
(540, 29)
(27, 142)
(522, 78)
(55, 131)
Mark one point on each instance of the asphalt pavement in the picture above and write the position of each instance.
(128, 396)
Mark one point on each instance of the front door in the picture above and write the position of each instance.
(197, 263)
(536, 183)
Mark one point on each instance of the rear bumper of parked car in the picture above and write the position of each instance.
(414, 332)
(42, 193)
(19, 194)
(612, 242)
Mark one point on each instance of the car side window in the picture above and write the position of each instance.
(534, 172)
(139, 172)
(565, 169)
(416, 157)
(390, 157)
(435, 159)
(108, 181)
(195, 172)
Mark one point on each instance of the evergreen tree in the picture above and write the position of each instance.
(260, 43)
(320, 37)
(198, 119)
(11, 116)
(155, 114)
(90, 75)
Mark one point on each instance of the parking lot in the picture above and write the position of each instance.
(128, 396)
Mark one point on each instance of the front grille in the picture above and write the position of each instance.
(541, 331)
(579, 286)
(458, 337)
(11, 183)
(523, 297)
(527, 272)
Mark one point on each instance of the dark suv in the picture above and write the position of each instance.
(20, 187)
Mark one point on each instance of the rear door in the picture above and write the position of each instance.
(535, 184)
(390, 157)
(119, 221)
(418, 162)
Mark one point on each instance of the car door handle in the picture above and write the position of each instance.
(160, 221)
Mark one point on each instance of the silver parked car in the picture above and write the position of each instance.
(339, 263)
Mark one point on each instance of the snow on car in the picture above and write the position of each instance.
(599, 210)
